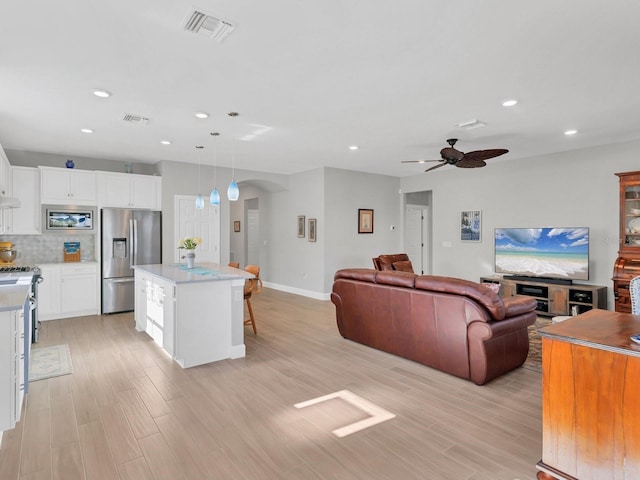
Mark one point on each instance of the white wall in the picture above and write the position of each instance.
(576, 188)
(345, 192)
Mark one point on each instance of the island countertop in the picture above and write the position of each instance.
(178, 273)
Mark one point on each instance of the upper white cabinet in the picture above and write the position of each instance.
(5, 191)
(128, 190)
(26, 188)
(67, 186)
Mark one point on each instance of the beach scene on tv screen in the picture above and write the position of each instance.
(543, 252)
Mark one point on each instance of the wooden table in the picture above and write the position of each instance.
(591, 398)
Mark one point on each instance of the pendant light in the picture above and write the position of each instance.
(214, 198)
(199, 200)
(233, 193)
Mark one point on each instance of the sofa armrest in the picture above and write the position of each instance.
(518, 305)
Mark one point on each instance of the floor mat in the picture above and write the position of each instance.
(50, 362)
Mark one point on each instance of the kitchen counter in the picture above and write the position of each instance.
(13, 296)
(196, 315)
(177, 273)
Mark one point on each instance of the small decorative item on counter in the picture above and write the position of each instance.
(71, 251)
(189, 244)
(70, 164)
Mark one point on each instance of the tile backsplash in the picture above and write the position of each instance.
(37, 249)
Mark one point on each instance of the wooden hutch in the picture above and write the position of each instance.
(627, 264)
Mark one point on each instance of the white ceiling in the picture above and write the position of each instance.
(392, 77)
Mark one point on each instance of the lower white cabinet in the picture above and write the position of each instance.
(12, 355)
(68, 290)
(155, 310)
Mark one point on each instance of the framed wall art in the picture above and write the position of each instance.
(365, 220)
(236, 226)
(470, 226)
(312, 229)
(300, 226)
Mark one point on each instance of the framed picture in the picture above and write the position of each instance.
(300, 226)
(236, 226)
(312, 229)
(470, 226)
(365, 220)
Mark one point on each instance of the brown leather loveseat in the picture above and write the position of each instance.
(456, 326)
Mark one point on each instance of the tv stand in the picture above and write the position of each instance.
(524, 278)
(553, 298)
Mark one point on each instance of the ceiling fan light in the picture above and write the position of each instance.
(233, 192)
(214, 198)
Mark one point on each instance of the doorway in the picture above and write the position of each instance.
(191, 222)
(253, 243)
(417, 238)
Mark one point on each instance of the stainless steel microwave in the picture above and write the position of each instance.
(68, 219)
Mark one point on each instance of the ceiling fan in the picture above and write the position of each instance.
(451, 156)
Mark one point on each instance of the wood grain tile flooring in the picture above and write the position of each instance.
(128, 412)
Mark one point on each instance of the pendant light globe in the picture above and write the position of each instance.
(214, 198)
(233, 192)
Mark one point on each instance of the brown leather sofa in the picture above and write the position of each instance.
(394, 261)
(456, 326)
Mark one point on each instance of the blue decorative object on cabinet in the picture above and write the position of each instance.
(70, 164)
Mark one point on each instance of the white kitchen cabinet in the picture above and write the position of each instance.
(11, 368)
(155, 310)
(68, 290)
(5, 191)
(127, 190)
(26, 188)
(67, 186)
(49, 292)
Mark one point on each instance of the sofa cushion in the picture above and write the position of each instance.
(403, 266)
(484, 296)
(385, 263)
(396, 278)
(363, 274)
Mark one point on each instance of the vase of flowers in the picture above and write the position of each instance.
(189, 244)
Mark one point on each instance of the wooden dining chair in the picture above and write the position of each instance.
(251, 286)
(234, 264)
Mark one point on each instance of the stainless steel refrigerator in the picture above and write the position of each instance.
(129, 237)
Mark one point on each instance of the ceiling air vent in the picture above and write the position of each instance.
(199, 22)
(471, 124)
(135, 119)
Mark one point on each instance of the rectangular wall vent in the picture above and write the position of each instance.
(199, 22)
(135, 119)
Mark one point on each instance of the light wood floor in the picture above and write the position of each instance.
(129, 412)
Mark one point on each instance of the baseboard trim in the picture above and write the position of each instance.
(298, 291)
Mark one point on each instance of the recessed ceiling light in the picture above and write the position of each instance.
(202, 115)
(86, 130)
(165, 142)
(99, 92)
(509, 103)
(570, 132)
(353, 147)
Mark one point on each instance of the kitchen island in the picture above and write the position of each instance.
(196, 315)
(15, 346)
(591, 398)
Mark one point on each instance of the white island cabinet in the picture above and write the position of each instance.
(15, 346)
(196, 315)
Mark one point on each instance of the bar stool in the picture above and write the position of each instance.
(251, 286)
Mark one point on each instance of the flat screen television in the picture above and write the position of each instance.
(545, 253)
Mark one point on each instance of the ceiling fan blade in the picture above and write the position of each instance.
(437, 166)
(485, 154)
(470, 163)
(419, 161)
